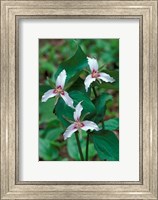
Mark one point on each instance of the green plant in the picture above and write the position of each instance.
(76, 95)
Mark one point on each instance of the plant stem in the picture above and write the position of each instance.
(95, 93)
(87, 145)
(79, 147)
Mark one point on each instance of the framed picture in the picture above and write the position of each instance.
(79, 99)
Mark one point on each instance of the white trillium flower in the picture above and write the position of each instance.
(78, 124)
(59, 90)
(93, 64)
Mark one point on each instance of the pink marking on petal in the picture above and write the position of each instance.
(59, 90)
(95, 74)
(62, 93)
(54, 91)
(78, 125)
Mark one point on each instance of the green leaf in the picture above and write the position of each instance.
(100, 104)
(46, 151)
(72, 81)
(75, 64)
(55, 123)
(112, 124)
(107, 145)
(59, 144)
(73, 148)
(62, 110)
(46, 110)
(114, 85)
(41, 133)
(53, 134)
(91, 151)
(79, 85)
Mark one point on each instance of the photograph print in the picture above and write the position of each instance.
(78, 99)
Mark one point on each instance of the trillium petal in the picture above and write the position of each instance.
(78, 111)
(61, 79)
(67, 99)
(89, 125)
(106, 77)
(93, 64)
(47, 95)
(88, 81)
(69, 131)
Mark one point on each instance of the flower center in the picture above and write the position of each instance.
(59, 90)
(78, 125)
(95, 74)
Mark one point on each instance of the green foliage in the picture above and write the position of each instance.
(46, 150)
(55, 116)
(75, 64)
(73, 148)
(53, 134)
(115, 85)
(111, 124)
(46, 110)
(107, 145)
(100, 104)
(63, 111)
(78, 85)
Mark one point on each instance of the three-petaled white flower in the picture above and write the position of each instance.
(59, 90)
(78, 124)
(93, 64)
